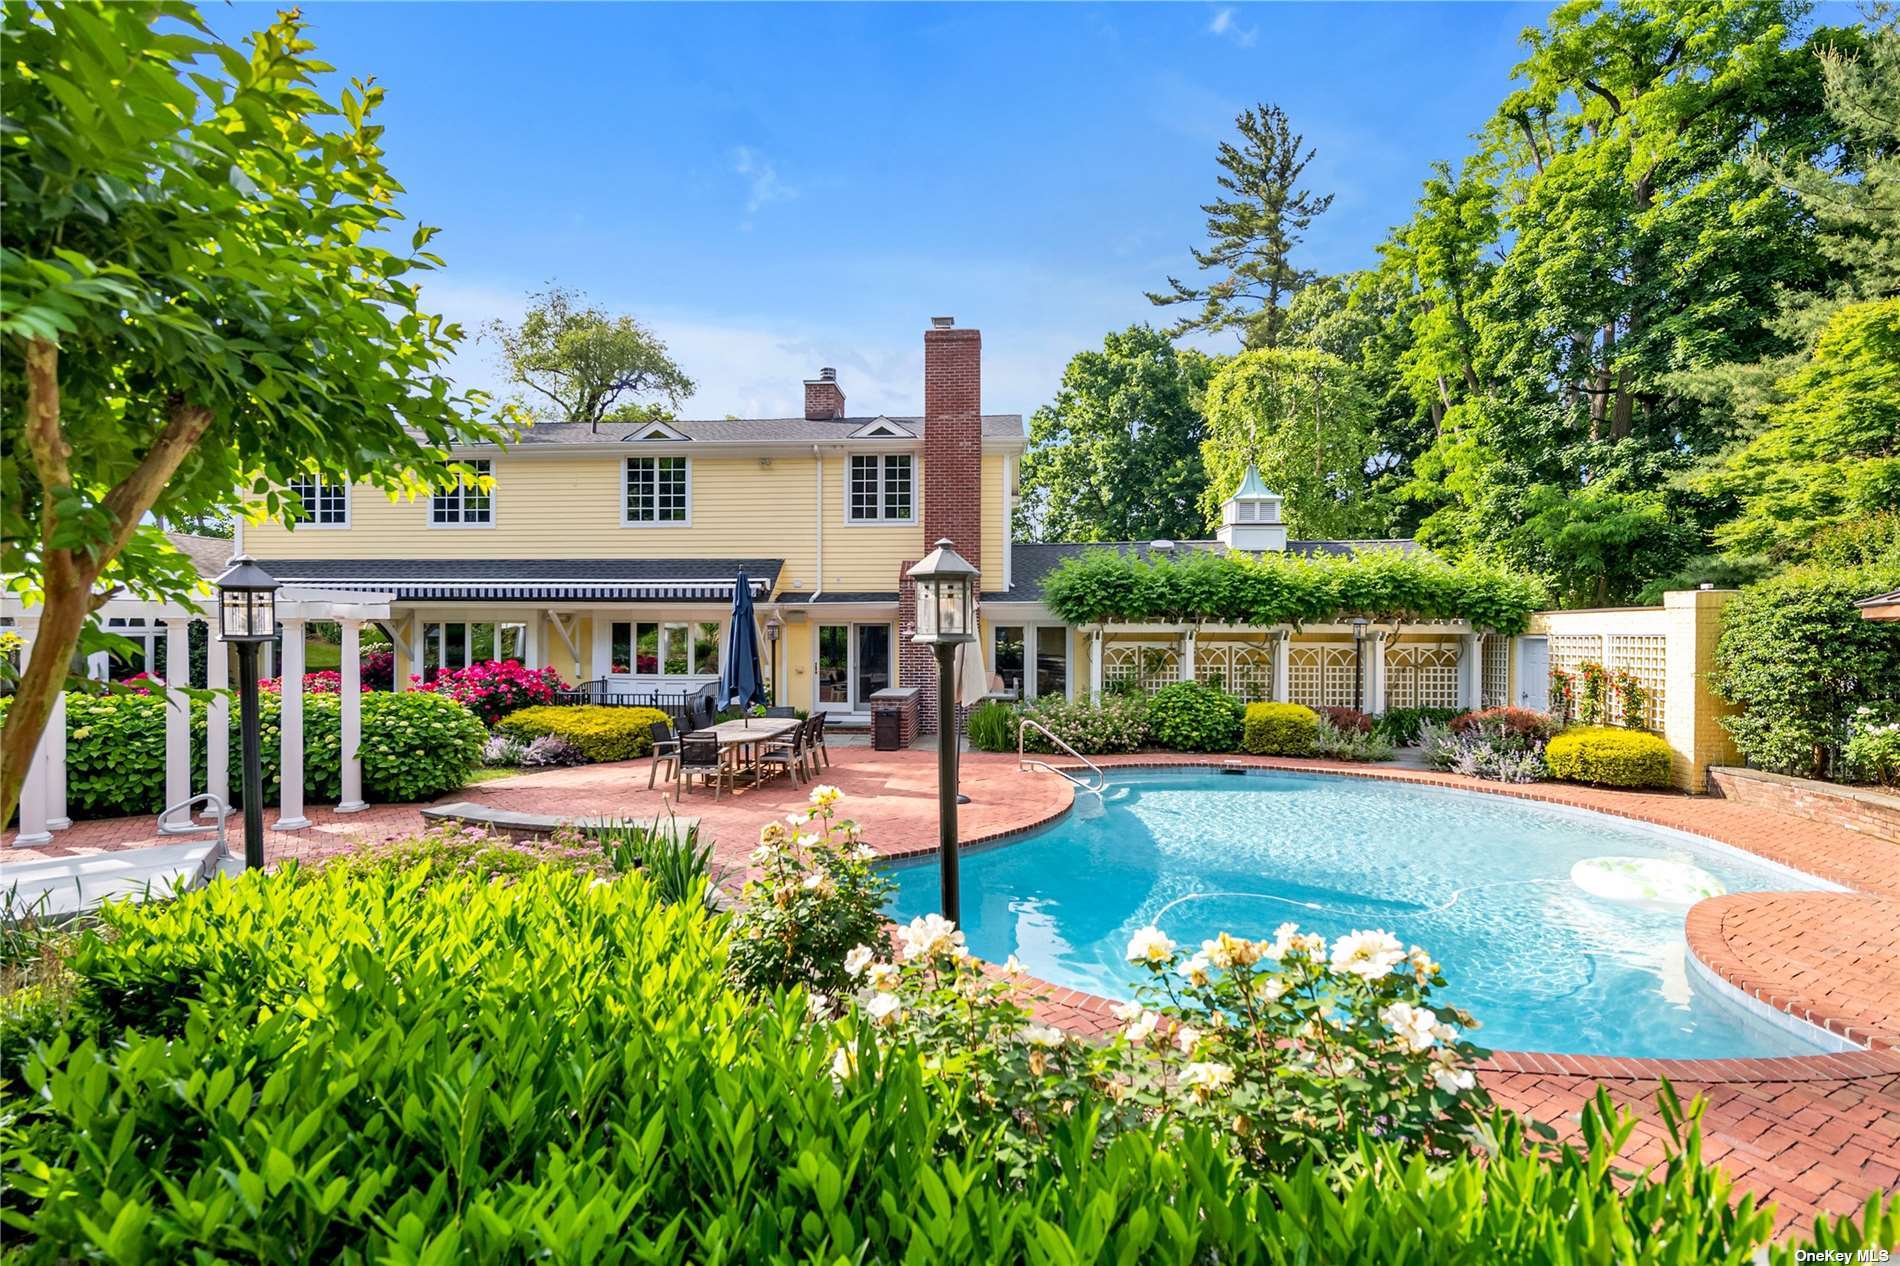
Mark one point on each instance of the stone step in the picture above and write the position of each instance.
(63, 886)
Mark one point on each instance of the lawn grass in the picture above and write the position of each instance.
(489, 775)
(321, 655)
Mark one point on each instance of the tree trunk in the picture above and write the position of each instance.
(1600, 385)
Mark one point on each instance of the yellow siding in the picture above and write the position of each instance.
(862, 558)
(995, 526)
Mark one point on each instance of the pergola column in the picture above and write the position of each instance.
(290, 728)
(177, 724)
(99, 666)
(1375, 673)
(352, 688)
(33, 816)
(531, 643)
(1282, 665)
(600, 649)
(218, 718)
(1188, 638)
(1095, 666)
(1470, 670)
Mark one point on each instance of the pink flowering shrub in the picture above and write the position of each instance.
(379, 670)
(494, 688)
(327, 681)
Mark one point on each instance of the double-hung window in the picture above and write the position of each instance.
(324, 504)
(883, 489)
(658, 491)
(465, 505)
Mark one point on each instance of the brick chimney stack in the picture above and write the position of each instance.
(953, 437)
(824, 398)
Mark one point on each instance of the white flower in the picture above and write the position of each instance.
(1142, 1027)
(931, 934)
(1150, 946)
(864, 853)
(1452, 1080)
(1274, 989)
(824, 794)
(881, 975)
(1424, 966)
(1013, 966)
(1367, 954)
(884, 1009)
(845, 1063)
(1206, 1079)
(1196, 969)
(1186, 1038)
(1444, 1033)
(858, 959)
(804, 839)
(1282, 940)
(1044, 1035)
(819, 1005)
(1415, 1026)
(814, 881)
(796, 819)
(1127, 1011)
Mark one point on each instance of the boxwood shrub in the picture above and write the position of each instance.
(600, 733)
(1609, 756)
(1279, 729)
(383, 1063)
(415, 747)
(1190, 717)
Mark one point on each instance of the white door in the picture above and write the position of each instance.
(853, 663)
(1533, 673)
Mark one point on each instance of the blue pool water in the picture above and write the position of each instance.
(1482, 882)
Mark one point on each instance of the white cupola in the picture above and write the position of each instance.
(1250, 518)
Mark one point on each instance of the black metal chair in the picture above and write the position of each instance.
(702, 757)
(816, 740)
(787, 752)
(666, 751)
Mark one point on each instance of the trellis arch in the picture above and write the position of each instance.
(1320, 674)
(1141, 666)
(1244, 669)
(1421, 675)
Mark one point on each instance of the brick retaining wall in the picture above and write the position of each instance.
(1868, 812)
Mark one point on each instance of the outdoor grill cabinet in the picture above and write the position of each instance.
(893, 718)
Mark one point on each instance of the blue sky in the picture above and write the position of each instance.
(779, 187)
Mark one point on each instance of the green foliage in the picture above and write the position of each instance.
(598, 732)
(1118, 724)
(1609, 757)
(1102, 585)
(1190, 717)
(1350, 743)
(586, 366)
(1872, 754)
(415, 746)
(816, 895)
(1305, 419)
(1798, 658)
(1125, 417)
(993, 726)
(451, 849)
(1279, 729)
(672, 857)
(1400, 726)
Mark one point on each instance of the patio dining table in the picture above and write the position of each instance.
(739, 740)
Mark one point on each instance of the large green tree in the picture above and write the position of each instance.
(206, 291)
(1116, 456)
(1252, 229)
(583, 365)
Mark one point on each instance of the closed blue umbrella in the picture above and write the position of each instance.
(741, 683)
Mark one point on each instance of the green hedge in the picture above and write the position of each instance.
(1190, 717)
(1380, 584)
(415, 747)
(353, 1065)
(1279, 729)
(1609, 756)
(600, 733)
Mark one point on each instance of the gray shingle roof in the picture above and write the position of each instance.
(1031, 561)
(211, 555)
(740, 430)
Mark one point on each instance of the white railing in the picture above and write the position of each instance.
(189, 827)
(1023, 761)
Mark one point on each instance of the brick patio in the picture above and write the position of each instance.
(1817, 1133)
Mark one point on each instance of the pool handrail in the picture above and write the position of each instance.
(1024, 725)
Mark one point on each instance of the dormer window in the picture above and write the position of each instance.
(324, 504)
(882, 428)
(882, 489)
(656, 431)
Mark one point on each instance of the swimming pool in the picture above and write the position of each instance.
(1548, 954)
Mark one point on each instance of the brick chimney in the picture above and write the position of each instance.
(953, 487)
(824, 398)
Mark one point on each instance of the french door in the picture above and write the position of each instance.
(854, 663)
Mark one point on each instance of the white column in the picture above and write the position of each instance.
(352, 688)
(1095, 666)
(290, 730)
(531, 642)
(177, 723)
(98, 666)
(218, 717)
(54, 743)
(1470, 670)
(1373, 673)
(1282, 666)
(601, 648)
(411, 625)
(33, 823)
(1187, 653)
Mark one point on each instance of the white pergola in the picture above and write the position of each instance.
(43, 807)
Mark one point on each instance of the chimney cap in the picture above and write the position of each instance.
(828, 374)
(942, 323)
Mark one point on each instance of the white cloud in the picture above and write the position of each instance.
(763, 185)
(1227, 25)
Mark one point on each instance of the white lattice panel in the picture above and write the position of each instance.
(1240, 668)
(1496, 686)
(1320, 676)
(1645, 657)
(1141, 667)
(1421, 676)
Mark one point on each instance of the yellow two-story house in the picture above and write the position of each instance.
(612, 553)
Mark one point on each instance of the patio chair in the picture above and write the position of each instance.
(786, 752)
(666, 751)
(702, 757)
(816, 740)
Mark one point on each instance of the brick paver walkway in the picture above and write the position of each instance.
(1815, 1133)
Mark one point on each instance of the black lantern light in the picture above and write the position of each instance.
(247, 618)
(946, 619)
(774, 629)
(1359, 663)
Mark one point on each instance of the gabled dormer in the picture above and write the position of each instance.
(1250, 518)
(882, 428)
(655, 431)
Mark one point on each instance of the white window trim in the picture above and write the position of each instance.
(461, 525)
(1032, 632)
(626, 468)
(310, 523)
(916, 491)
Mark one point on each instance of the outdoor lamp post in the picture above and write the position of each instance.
(774, 627)
(1359, 663)
(247, 618)
(946, 608)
